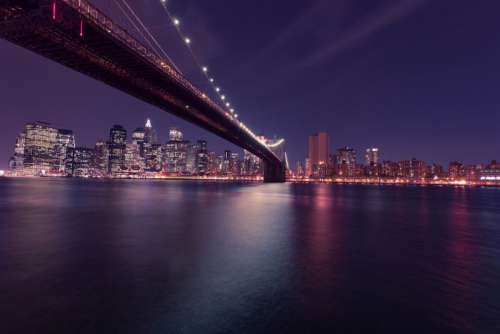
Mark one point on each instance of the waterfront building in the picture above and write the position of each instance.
(116, 149)
(191, 159)
(175, 153)
(202, 158)
(226, 163)
(17, 161)
(251, 165)
(418, 169)
(235, 164)
(456, 170)
(134, 162)
(153, 157)
(40, 156)
(491, 172)
(79, 162)
(346, 162)
(319, 152)
(372, 162)
(214, 164)
(101, 158)
(65, 139)
(390, 169)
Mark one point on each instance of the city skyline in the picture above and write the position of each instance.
(449, 113)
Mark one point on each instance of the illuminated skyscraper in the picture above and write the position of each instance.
(175, 153)
(319, 151)
(117, 147)
(372, 156)
(65, 140)
(150, 133)
(40, 149)
(202, 158)
(346, 162)
(101, 158)
(79, 161)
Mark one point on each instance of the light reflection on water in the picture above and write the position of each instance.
(136, 256)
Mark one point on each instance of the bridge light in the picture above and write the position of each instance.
(205, 69)
(236, 115)
(223, 97)
(211, 80)
(228, 104)
(231, 110)
(54, 10)
(187, 40)
(217, 89)
(176, 22)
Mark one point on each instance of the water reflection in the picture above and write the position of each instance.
(128, 256)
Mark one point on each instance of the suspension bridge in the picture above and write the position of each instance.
(78, 35)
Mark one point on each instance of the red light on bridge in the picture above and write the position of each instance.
(81, 28)
(54, 10)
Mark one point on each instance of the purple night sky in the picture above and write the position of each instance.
(416, 78)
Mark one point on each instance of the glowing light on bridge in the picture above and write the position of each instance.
(187, 40)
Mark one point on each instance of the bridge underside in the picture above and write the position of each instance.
(76, 41)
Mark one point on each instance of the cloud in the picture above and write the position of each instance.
(329, 27)
(364, 30)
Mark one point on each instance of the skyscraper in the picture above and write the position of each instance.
(346, 162)
(79, 161)
(40, 149)
(202, 158)
(319, 151)
(101, 158)
(372, 156)
(117, 147)
(150, 133)
(65, 140)
(175, 153)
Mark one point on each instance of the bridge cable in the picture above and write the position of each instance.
(204, 69)
(153, 39)
(137, 28)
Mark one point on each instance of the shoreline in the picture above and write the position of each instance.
(372, 182)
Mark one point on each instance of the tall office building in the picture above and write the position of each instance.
(372, 156)
(17, 161)
(235, 165)
(139, 139)
(134, 162)
(40, 149)
(319, 151)
(65, 140)
(202, 158)
(79, 162)
(117, 148)
(150, 133)
(153, 157)
(101, 158)
(346, 162)
(191, 159)
(175, 153)
(373, 167)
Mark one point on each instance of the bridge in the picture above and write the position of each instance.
(78, 35)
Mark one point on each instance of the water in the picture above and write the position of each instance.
(81, 256)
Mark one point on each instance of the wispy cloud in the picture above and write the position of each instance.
(362, 31)
(330, 27)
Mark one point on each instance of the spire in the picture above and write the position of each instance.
(148, 123)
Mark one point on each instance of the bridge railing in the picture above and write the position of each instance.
(89, 11)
